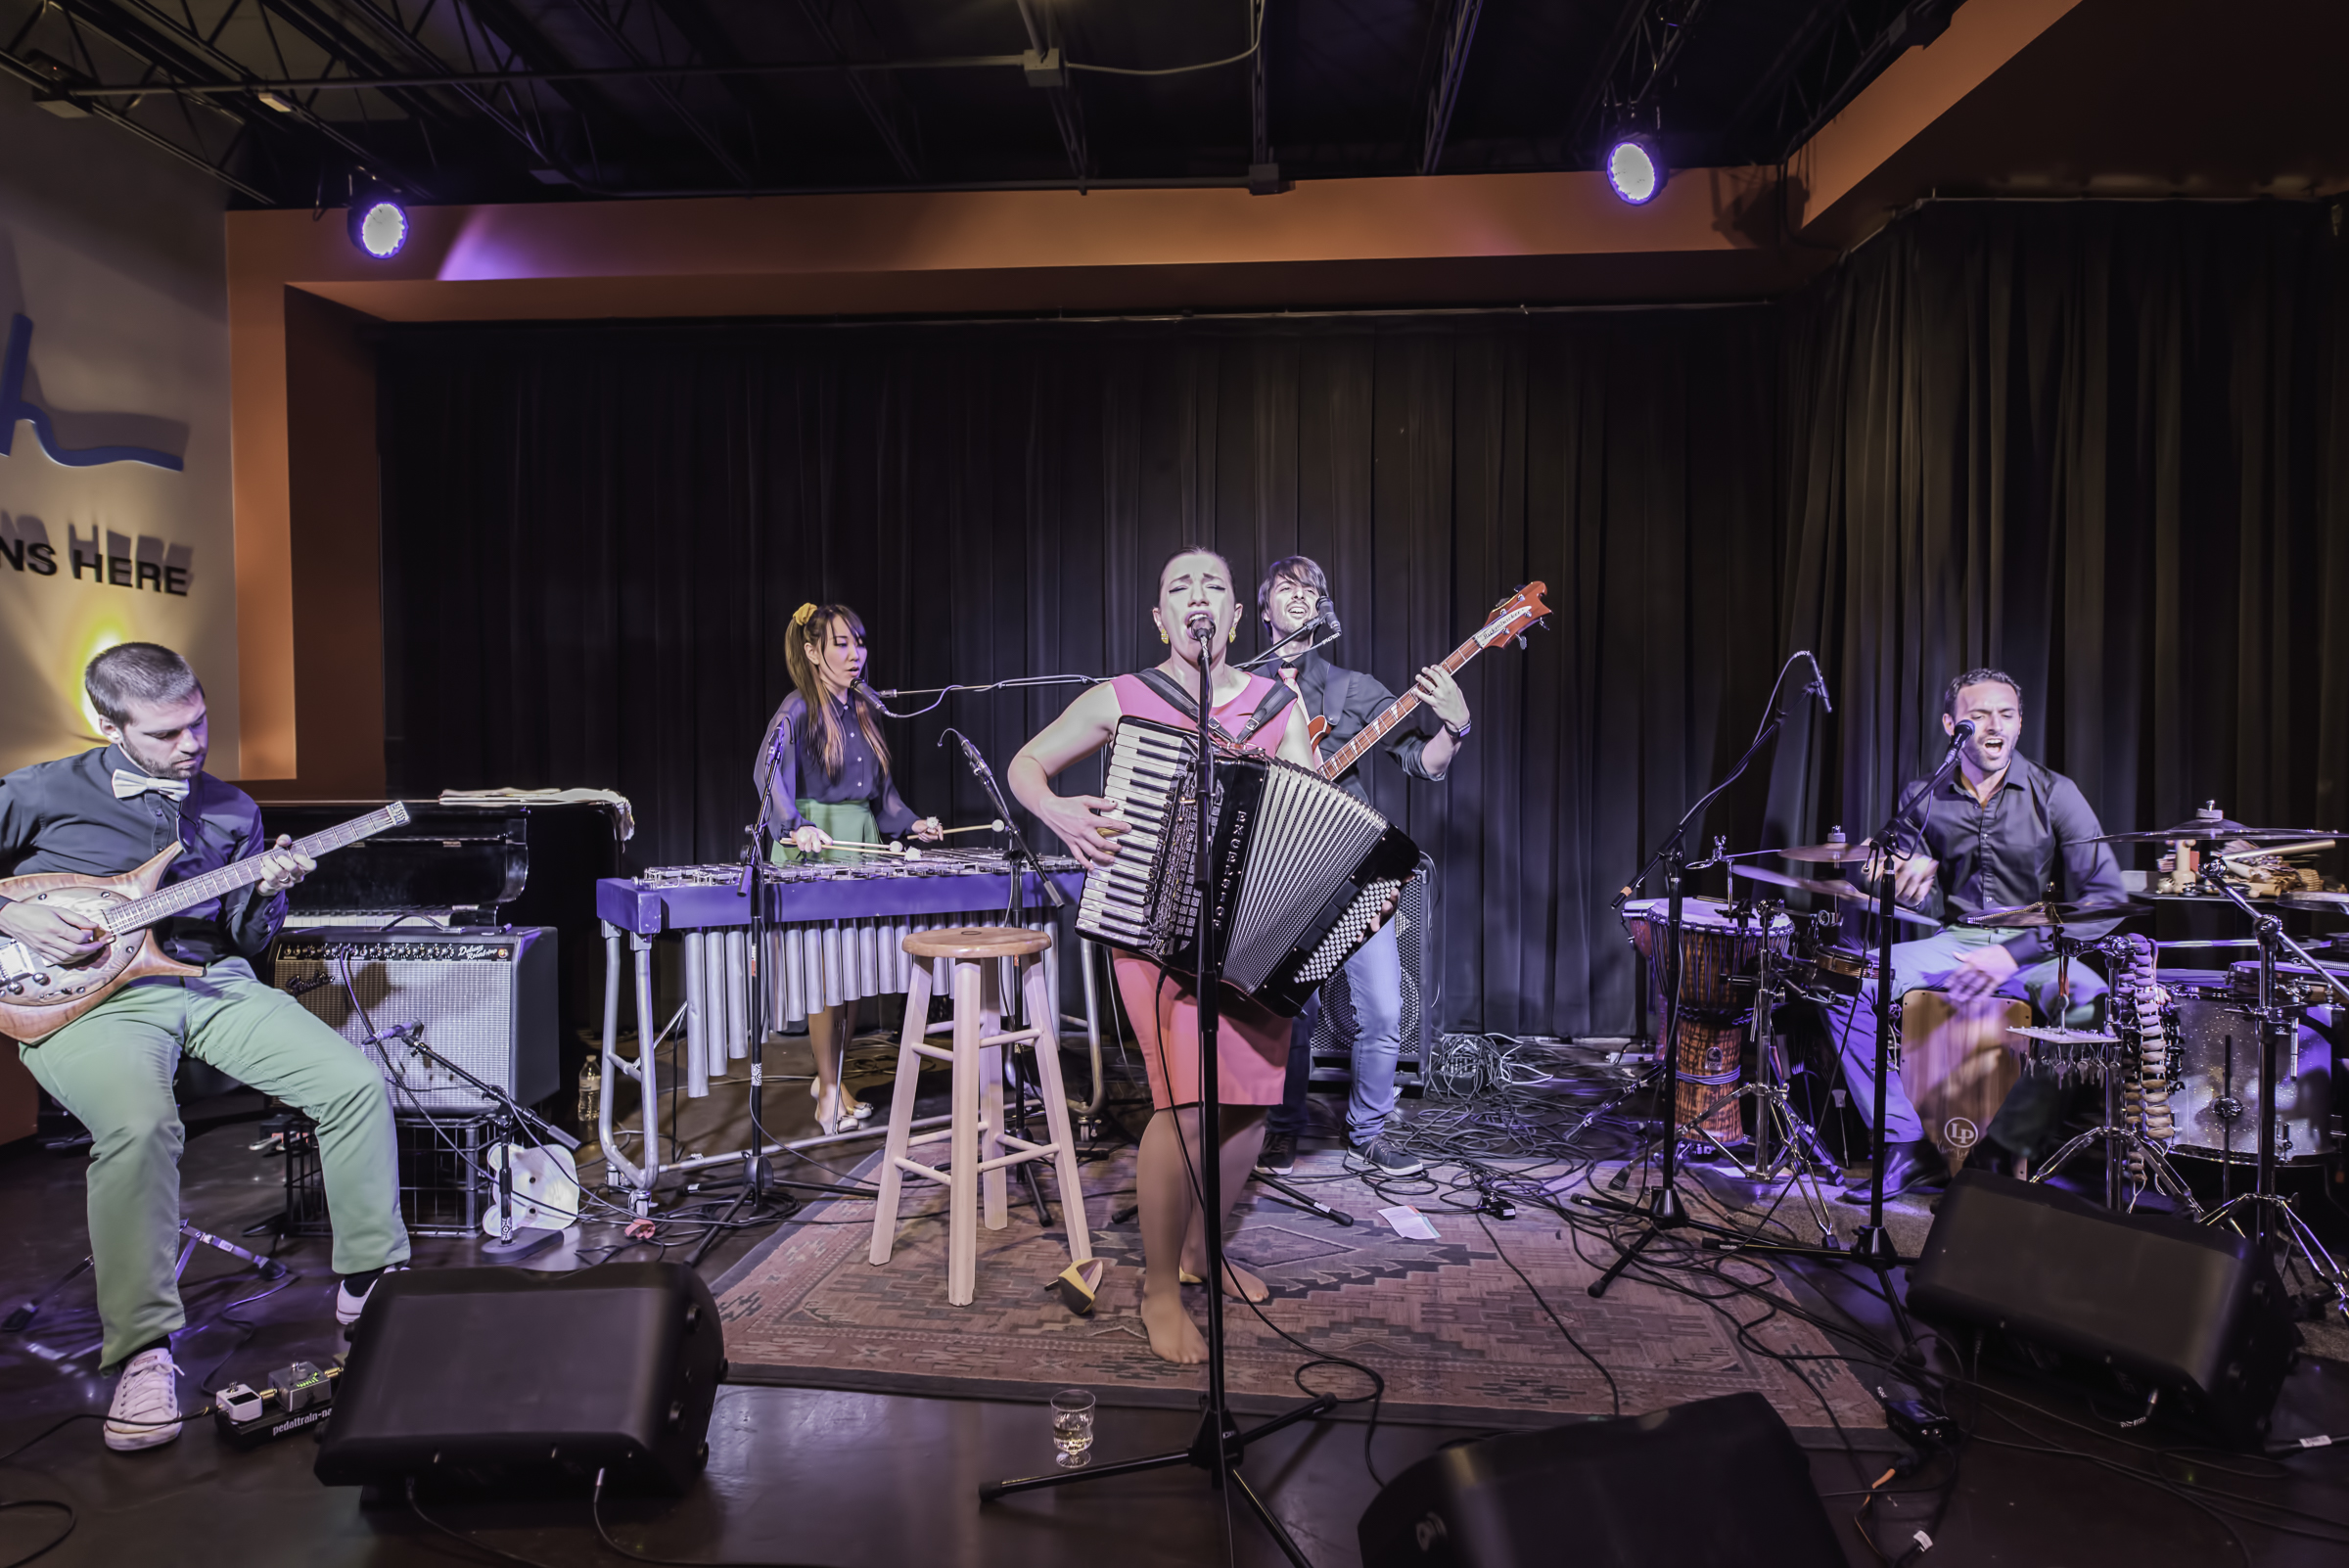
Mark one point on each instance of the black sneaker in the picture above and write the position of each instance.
(1279, 1156)
(1384, 1157)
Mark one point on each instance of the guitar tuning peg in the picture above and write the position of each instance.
(1521, 642)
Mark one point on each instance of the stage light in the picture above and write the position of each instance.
(1636, 167)
(378, 225)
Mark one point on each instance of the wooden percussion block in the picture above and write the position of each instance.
(1957, 1064)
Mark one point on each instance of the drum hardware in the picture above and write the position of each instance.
(2137, 1120)
(2274, 1019)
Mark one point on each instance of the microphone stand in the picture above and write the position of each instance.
(1020, 861)
(1664, 1209)
(756, 1174)
(1221, 1445)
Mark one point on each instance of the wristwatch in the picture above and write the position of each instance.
(1460, 733)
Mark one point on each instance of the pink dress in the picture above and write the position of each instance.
(1252, 1041)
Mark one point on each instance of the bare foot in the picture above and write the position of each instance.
(1172, 1334)
(1237, 1281)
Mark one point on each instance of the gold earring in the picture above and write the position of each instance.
(1161, 634)
(1235, 635)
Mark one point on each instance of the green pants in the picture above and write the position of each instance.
(113, 1068)
(852, 821)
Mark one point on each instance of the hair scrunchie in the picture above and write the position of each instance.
(802, 615)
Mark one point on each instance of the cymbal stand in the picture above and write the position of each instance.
(2275, 1224)
(2118, 1137)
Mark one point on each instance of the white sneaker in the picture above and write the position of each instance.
(347, 1307)
(145, 1407)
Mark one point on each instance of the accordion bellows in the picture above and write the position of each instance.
(1300, 866)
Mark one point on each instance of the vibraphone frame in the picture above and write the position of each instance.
(640, 911)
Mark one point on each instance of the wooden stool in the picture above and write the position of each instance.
(975, 1132)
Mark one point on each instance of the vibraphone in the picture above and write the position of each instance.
(832, 930)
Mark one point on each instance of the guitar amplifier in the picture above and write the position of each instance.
(481, 1000)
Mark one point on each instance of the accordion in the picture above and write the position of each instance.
(1300, 867)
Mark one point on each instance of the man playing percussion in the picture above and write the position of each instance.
(1990, 837)
(1292, 594)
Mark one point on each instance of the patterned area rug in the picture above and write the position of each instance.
(1449, 1324)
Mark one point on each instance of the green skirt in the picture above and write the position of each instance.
(852, 821)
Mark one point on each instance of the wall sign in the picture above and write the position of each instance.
(16, 408)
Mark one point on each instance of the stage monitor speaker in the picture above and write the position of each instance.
(2132, 1302)
(1714, 1484)
(484, 999)
(505, 1377)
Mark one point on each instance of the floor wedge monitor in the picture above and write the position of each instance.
(1612, 1494)
(2126, 1305)
(502, 1377)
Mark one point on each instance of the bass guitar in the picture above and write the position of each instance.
(38, 997)
(1513, 617)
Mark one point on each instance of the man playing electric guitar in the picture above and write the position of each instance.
(1291, 595)
(107, 812)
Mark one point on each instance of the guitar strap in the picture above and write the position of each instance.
(1275, 702)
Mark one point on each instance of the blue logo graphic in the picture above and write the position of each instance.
(14, 407)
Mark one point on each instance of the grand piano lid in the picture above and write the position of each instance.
(447, 857)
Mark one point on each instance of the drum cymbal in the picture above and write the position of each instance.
(2050, 913)
(1817, 855)
(2208, 826)
(1831, 890)
(2334, 902)
(1827, 854)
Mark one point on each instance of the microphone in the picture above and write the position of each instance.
(1327, 616)
(1962, 733)
(1819, 682)
(750, 876)
(1200, 624)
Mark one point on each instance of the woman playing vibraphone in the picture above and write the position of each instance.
(1253, 1043)
(826, 777)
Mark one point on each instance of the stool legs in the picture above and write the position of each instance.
(900, 1112)
(963, 1244)
(996, 1186)
(1042, 1004)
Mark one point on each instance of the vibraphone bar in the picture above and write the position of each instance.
(833, 931)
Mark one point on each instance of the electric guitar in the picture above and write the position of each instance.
(1513, 617)
(38, 997)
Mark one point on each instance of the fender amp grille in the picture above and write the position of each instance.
(483, 1002)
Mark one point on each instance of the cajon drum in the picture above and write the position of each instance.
(1957, 1064)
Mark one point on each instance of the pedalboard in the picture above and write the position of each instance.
(293, 1399)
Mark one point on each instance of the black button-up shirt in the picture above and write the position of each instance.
(799, 770)
(1998, 856)
(63, 817)
(1362, 700)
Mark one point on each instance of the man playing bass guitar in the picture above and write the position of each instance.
(108, 811)
(1292, 594)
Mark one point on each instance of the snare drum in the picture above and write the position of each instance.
(2215, 1103)
(1958, 1063)
(1714, 945)
(1844, 969)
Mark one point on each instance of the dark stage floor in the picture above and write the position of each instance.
(857, 1479)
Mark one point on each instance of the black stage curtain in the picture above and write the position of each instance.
(2097, 445)
(594, 536)
(2090, 443)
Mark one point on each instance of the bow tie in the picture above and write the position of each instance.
(130, 786)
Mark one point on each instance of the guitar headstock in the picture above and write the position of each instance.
(1515, 615)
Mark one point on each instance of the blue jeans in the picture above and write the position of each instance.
(2031, 1106)
(1374, 986)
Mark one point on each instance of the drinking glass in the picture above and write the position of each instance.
(1073, 1427)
